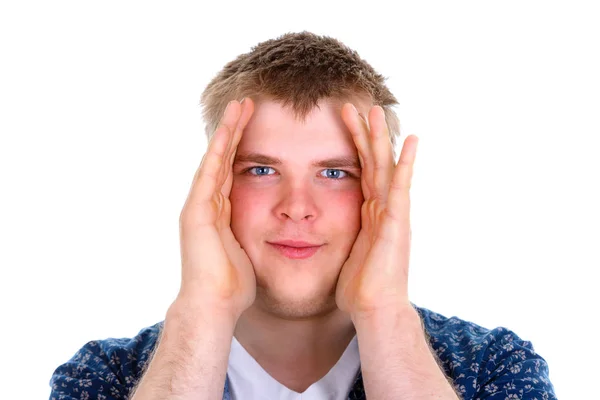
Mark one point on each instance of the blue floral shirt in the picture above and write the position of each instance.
(482, 364)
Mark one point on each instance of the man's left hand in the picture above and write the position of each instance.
(374, 278)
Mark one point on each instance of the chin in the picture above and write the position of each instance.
(293, 305)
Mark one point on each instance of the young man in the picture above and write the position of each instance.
(295, 244)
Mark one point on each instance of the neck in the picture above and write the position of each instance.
(295, 352)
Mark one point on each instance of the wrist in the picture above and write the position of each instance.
(190, 360)
(198, 323)
(402, 327)
(405, 315)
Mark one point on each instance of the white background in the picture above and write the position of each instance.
(101, 134)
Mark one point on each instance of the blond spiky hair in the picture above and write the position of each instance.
(298, 70)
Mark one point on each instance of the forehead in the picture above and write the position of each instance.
(274, 128)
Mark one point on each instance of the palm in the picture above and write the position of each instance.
(359, 278)
(240, 273)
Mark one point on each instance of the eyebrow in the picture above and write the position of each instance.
(263, 159)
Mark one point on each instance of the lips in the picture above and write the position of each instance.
(295, 249)
(296, 243)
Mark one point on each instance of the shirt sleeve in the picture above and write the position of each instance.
(511, 369)
(105, 370)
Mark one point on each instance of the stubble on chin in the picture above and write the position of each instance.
(294, 308)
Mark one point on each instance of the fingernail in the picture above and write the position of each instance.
(242, 102)
(354, 108)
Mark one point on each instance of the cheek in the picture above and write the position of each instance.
(346, 208)
(248, 210)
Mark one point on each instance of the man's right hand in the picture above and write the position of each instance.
(217, 280)
(217, 275)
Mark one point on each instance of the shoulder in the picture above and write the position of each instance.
(484, 362)
(106, 369)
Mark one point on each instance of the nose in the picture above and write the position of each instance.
(296, 203)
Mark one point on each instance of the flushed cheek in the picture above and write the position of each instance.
(347, 214)
(249, 210)
(345, 206)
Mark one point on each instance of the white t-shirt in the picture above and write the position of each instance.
(249, 381)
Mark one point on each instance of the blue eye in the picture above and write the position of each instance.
(327, 173)
(335, 173)
(260, 170)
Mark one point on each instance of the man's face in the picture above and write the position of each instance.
(287, 185)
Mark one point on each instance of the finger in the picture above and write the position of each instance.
(246, 114)
(208, 175)
(359, 130)
(230, 119)
(383, 156)
(398, 205)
